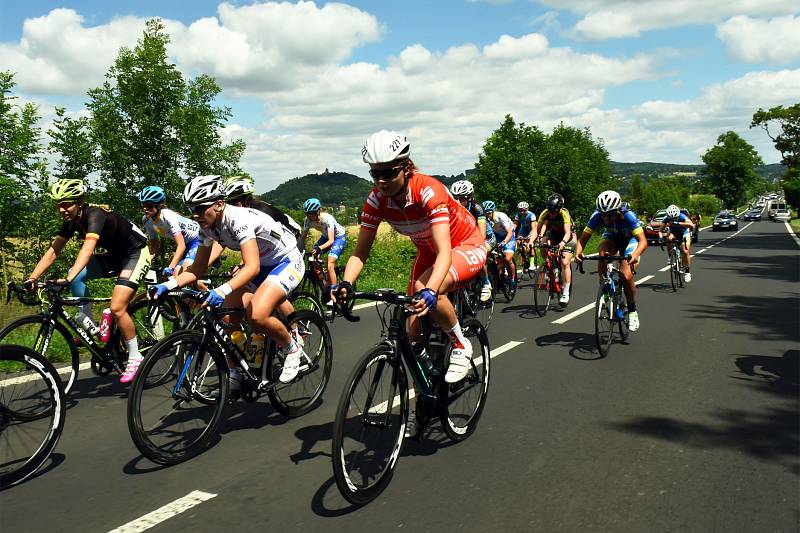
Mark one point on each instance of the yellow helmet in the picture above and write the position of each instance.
(67, 189)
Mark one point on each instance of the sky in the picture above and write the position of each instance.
(307, 82)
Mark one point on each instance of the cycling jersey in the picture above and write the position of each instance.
(276, 214)
(556, 221)
(113, 232)
(476, 210)
(170, 224)
(625, 224)
(241, 224)
(525, 224)
(674, 225)
(325, 222)
(501, 225)
(427, 203)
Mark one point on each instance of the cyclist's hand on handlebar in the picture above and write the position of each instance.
(167, 271)
(61, 282)
(29, 284)
(631, 259)
(425, 301)
(340, 291)
(214, 298)
(315, 251)
(157, 291)
(579, 257)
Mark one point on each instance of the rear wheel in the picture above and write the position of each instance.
(369, 426)
(603, 321)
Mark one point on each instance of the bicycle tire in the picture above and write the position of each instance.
(623, 323)
(485, 310)
(672, 272)
(148, 332)
(460, 419)
(541, 291)
(26, 376)
(681, 271)
(205, 370)
(603, 321)
(307, 301)
(54, 345)
(386, 379)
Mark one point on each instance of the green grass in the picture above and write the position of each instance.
(795, 222)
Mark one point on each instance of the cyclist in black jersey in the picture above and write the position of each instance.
(462, 191)
(127, 257)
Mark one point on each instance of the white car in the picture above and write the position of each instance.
(782, 215)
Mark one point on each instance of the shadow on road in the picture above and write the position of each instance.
(775, 317)
(581, 345)
(523, 311)
(776, 375)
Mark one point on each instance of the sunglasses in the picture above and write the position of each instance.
(200, 208)
(385, 174)
(149, 206)
(65, 205)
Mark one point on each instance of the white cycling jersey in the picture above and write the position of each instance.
(169, 224)
(501, 225)
(325, 222)
(241, 224)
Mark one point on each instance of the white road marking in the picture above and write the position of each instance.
(164, 513)
(791, 232)
(588, 306)
(31, 377)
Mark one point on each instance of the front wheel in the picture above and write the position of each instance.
(673, 272)
(541, 291)
(464, 401)
(370, 425)
(303, 393)
(603, 321)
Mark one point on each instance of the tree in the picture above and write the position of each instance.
(791, 187)
(730, 168)
(787, 142)
(152, 127)
(72, 142)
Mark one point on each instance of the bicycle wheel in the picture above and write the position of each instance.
(541, 291)
(32, 412)
(673, 273)
(302, 394)
(464, 401)
(370, 425)
(484, 310)
(604, 321)
(155, 323)
(174, 411)
(681, 270)
(57, 346)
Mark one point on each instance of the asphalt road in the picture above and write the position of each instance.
(692, 426)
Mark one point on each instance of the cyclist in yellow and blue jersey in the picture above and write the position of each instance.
(679, 229)
(525, 225)
(555, 225)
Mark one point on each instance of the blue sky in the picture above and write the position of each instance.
(308, 81)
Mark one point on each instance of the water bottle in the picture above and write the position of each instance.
(257, 344)
(105, 325)
(239, 339)
(425, 361)
(86, 322)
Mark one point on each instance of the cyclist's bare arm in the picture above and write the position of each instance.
(89, 244)
(180, 249)
(216, 251)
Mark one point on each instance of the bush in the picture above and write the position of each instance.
(704, 204)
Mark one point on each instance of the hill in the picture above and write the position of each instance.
(331, 188)
(769, 172)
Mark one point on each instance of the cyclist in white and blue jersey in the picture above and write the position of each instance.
(680, 229)
(503, 230)
(525, 224)
(160, 221)
(333, 238)
(622, 235)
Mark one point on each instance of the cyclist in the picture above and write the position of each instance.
(462, 190)
(272, 266)
(127, 258)
(525, 226)
(622, 235)
(503, 230)
(239, 192)
(158, 221)
(555, 225)
(679, 228)
(333, 238)
(450, 250)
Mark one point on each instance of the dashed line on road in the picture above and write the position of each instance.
(164, 513)
(588, 306)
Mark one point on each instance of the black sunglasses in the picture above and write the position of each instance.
(200, 208)
(385, 174)
(66, 205)
(148, 205)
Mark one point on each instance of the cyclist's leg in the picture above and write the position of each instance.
(333, 256)
(627, 248)
(606, 247)
(686, 243)
(94, 269)
(509, 249)
(133, 269)
(566, 259)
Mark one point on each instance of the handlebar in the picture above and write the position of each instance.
(389, 296)
(602, 258)
(19, 290)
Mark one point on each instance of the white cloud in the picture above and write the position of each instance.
(774, 41)
(606, 19)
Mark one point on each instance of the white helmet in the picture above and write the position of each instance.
(608, 201)
(385, 147)
(462, 188)
(673, 211)
(203, 190)
(522, 205)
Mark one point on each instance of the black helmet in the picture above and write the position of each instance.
(555, 202)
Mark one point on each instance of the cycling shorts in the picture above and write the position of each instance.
(555, 237)
(287, 274)
(510, 246)
(621, 244)
(466, 263)
(191, 252)
(129, 270)
(336, 250)
(682, 235)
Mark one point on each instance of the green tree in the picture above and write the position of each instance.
(151, 126)
(730, 169)
(787, 142)
(791, 187)
(71, 141)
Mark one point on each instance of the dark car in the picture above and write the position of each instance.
(652, 235)
(725, 220)
(753, 214)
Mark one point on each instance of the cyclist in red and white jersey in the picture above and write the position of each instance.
(450, 249)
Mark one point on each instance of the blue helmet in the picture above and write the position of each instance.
(488, 205)
(152, 194)
(312, 205)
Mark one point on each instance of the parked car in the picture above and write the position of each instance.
(725, 220)
(652, 235)
(782, 215)
(753, 214)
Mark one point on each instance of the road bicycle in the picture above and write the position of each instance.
(32, 412)
(547, 284)
(369, 427)
(313, 292)
(528, 272)
(677, 270)
(610, 310)
(467, 303)
(174, 409)
(496, 266)
(56, 334)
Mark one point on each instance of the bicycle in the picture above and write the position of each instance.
(32, 412)
(371, 416)
(467, 303)
(174, 410)
(313, 292)
(610, 306)
(547, 284)
(56, 334)
(525, 257)
(677, 271)
(496, 266)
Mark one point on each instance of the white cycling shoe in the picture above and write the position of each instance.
(564, 298)
(460, 365)
(633, 320)
(687, 277)
(486, 292)
(291, 366)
